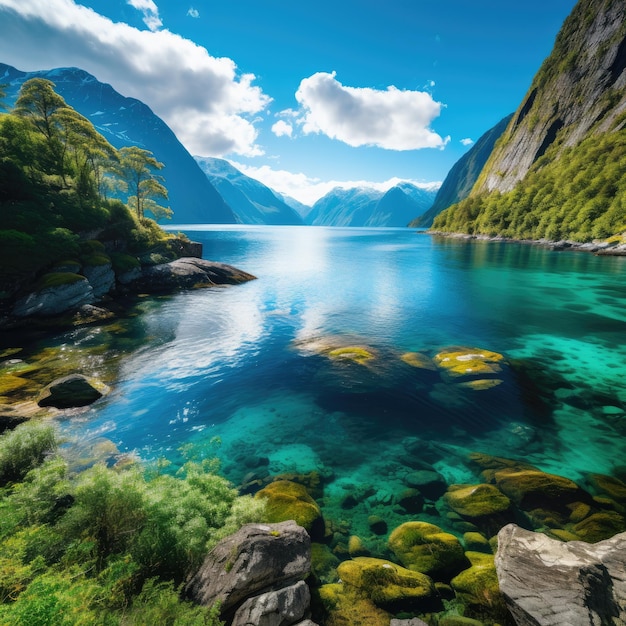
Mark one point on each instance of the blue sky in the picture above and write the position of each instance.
(303, 96)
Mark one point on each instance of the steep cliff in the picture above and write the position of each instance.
(580, 89)
(558, 170)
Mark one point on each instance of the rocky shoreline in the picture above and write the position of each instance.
(600, 248)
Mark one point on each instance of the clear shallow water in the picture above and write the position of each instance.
(240, 363)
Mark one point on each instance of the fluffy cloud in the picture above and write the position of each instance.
(281, 129)
(214, 117)
(308, 190)
(393, 119)
(467, 141)
(150, 13)
(193, 12)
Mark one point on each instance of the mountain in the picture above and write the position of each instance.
(555, 172)
(301, 209)
(464, 173)
(251, 200)
(129, 122)
(363, 206)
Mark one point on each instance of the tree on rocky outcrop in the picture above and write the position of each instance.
(137, 170)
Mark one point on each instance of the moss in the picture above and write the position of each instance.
(600, 526)
(476, 542)
(478, 589)
(96, 260)
(356, 547)
(344, 605)
(388, 585)
(124, 262)
(10, 383)
(475, 501)
(355, 354)
(481, 384)
(57, 279)
(608, 485)
(323, 564)
(459, 362)
(287, 500)
(426, 548)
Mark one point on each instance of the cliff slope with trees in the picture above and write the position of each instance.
(558, 170)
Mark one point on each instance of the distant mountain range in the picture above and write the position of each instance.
(125, 122)
(251, 200)
(363, 206)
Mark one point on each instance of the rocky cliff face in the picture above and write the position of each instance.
(579, 90)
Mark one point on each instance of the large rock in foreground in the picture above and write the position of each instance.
(258, 558)
(187, 273)
(59, 293)
(545, 581)
(71, 391)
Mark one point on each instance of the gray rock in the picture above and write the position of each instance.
(55, 300)
(70, 391)
(257, 558)
(100, 277)
(415, 621)
(545, 581)
(275, 608)
(187, 273)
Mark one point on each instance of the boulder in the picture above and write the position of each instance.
(71, 391)
(286, 500)
(483, 505)
(59, 293)
(283, 607)
(429, 482)
(187, 273)
(100, 277)
(426, 548)
(456, 362)
(256, 559)
(388, 585)
(545, 581)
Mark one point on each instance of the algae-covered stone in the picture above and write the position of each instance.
(345, 604)
(477, 587)
(411, 500)
(600, 526)
(430, 483)
(457, 362)
(476, 542)
(356, 547)
(488, 465)
(609, 485)
(483, 505)
(70, 391)
(481, 384)
(287, 500)
(354, 354)
(533, 489)
(388, 585)
(426, 548)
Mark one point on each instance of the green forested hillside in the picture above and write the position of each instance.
(580, 196)
(58, 176)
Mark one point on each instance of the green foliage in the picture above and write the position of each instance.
(580, 196)
(23, 449)
(106, 546)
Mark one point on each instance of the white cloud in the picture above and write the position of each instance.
(308, 190)
(281, 129)
(214, 117)
(360, 116)
(467, 141)
(193, 12)
(150, 13)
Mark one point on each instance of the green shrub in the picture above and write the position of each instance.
(23, 449)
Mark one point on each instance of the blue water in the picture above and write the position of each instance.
(239, 373)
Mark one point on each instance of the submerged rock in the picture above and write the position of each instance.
(545, 581)
(457, 362)
(71, 391)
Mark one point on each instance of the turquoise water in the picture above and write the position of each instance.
(240, 371)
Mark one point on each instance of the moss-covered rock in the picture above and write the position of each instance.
(483, 505)
(487, 465)
(476, 542)
(388, 585)
(356, 547)
(456, 362)
(609, 486)
(600, 526)
(70, 391)
(426, 548)
(419, 361)
(287, 500)
(478, 589)
(429, 482)
(344, 605)
(353, 354)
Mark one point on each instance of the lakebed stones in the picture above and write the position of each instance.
(545, 581)
(257, 559)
